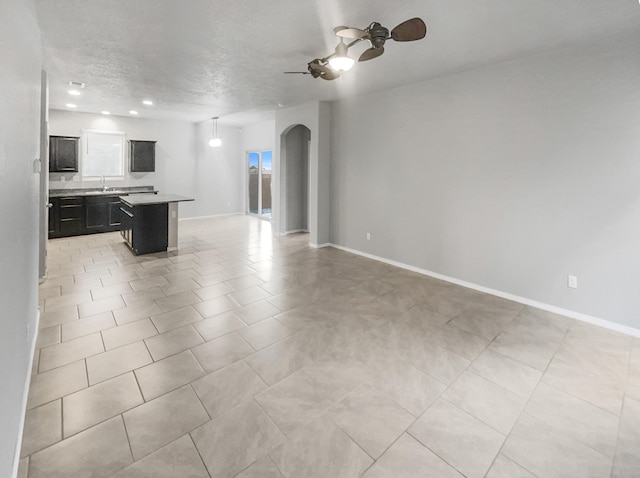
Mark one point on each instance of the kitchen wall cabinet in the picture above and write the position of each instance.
(63, 154)
(142, 156)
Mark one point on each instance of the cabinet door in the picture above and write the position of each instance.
(142, 155)
(150, 228)
(63, 154)
(96, 214)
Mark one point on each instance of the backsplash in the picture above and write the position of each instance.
(73, 181)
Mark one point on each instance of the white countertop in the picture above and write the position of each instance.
(143, 199)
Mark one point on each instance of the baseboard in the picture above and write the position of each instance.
(25, 397)
(210, 217)
(607, 324)
(295, 231)
(320, 246)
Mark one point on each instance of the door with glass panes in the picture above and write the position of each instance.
(260, 166)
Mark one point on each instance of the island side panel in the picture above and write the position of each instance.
(173, 227)
(149, 232)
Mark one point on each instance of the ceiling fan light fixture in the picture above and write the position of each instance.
(341, 61)
(215, 140)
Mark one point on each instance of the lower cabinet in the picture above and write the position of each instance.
(76, 215)
(145, 227)
(102, 213)
(96, 213)
(71, 216)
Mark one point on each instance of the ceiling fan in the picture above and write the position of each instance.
(330, 67)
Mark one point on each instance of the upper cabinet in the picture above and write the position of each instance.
(63, 154)
(142, 156)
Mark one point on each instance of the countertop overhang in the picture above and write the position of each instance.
(145, 199)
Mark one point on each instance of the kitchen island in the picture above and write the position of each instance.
(150, 222)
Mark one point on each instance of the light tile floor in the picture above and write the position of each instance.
(249, 355)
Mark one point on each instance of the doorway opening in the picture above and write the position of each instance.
(297, 146)
(260, 167)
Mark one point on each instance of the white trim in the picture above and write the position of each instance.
(25, 396)
(320, 246)
(607, 324)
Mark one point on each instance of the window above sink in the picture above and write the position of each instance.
(103, 154)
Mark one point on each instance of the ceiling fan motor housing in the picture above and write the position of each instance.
(379, 35)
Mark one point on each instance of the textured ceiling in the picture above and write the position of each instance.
(201, 58)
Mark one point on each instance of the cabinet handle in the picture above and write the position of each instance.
(126, 212)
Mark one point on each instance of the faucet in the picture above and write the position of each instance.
(104, 184)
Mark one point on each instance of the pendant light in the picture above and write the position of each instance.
(215, 141)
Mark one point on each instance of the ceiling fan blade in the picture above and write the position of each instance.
(296, 72)
(410, 30)
(352, 33)
(371, 53)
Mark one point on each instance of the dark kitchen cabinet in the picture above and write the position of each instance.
(63, 154)
(102, 213)
(96, 213)
(145, 227)
(71, 216)
(142, 156)
(75, 215)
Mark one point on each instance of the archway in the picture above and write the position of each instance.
(296, 187)
(314, 132)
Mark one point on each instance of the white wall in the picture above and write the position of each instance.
(255, 137)
(219, 172)
(510, 177)
(185, 164)
(20, 71)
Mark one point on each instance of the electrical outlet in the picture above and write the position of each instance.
(572, 282)
(368, 236)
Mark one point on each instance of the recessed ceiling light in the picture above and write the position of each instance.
(105, 112)
(74, 93)
(71, 105)
(147, 102)
(133, 112)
